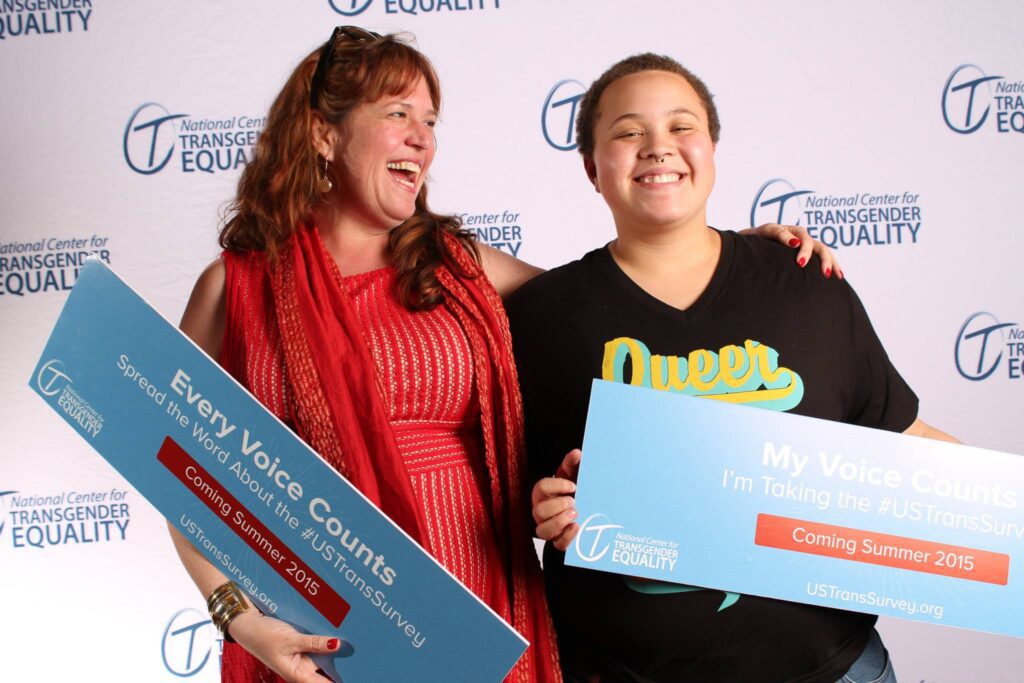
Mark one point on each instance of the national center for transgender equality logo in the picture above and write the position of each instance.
(984, 343)
(188, 641)
(154, 136)
(558, 115)
(19, 18)
(54, 382)
(353, 8)
(846, 219)
(971, 98)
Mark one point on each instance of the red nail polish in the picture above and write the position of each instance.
(333, 644)
(801, 262)
(828, 273)
(794, 242)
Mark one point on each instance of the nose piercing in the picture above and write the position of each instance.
(660, 159)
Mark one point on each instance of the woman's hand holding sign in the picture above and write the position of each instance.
(554, 507)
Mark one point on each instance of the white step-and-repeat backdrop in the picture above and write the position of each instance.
(836, 110)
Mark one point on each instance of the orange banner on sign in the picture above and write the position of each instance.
(870, 547)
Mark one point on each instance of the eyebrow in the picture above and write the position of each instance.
(407, 105)
(633, 115)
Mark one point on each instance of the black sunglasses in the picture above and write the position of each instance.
(360, 35)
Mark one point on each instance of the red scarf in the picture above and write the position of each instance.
(338, 408)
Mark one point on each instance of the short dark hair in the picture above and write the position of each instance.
(648, 61)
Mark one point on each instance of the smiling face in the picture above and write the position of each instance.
(653, 159)
(380, 155)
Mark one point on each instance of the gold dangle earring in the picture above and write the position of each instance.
(324, 184)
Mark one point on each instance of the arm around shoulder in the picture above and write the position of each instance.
(506, 272)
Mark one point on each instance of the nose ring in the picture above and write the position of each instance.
(660, 159)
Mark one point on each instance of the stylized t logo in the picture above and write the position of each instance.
(781, 201)
(551, 104)
(760, 203)
(155, 125)
(52, 374)
(354, 8)
(573, 100)
(593, 555)
(984, 333)
(151, 165)
(191, 630)
(972, 87)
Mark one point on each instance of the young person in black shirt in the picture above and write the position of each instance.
(665, 305)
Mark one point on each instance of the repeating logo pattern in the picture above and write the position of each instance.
(188, 641)
(970, 96)
(983, 342)
(352, 8)
(71, 517)
(148, 145)
(154, 136)
(26, 18)
(47, 264)
(558, 116)
(847, 219)
(500, 229)
(772, 203)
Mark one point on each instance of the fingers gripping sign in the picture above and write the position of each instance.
(554, 504)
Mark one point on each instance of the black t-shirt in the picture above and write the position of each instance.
(588, 320)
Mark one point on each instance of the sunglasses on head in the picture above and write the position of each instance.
(359, 35)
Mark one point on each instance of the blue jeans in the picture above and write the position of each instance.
(873, 666)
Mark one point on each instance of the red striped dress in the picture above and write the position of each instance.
(425, 367)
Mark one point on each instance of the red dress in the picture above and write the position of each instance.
(424, 363)
(429, 376)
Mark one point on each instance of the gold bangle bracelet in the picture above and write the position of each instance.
(224, 604)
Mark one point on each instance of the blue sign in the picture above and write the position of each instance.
(266, 510)
(705, 493)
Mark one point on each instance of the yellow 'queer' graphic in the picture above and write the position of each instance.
(748, 374)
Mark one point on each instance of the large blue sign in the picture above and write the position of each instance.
(705, 493)
(266, 510)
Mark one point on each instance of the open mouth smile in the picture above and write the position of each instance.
(405, 172)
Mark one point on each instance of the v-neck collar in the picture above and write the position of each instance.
(607, 263)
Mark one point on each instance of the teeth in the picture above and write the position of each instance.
(661, 178)
(404, 166)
